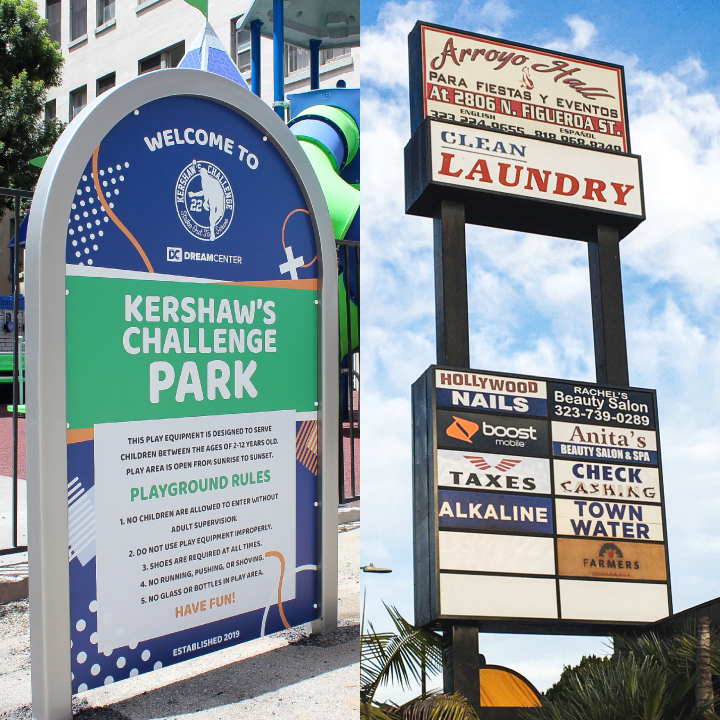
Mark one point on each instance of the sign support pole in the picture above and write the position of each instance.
(611, 364)
(607, 308)
(451, 298)
(279, 57)
(461, 662)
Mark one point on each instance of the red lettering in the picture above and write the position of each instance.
(448, 52)
(560, 185)
(480, 168)
(621, 193)
(445, 169)
(504, 167)
(594, 187)
(541, 182)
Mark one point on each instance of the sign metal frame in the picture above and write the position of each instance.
(492, 208)
(417, 79)
(426, 526)
(46, 367)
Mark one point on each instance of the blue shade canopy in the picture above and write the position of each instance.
(208, 53)
(335, 22)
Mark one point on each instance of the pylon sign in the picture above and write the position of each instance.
(528, 139)
(484, 82)
(179, 235)
(538, 503)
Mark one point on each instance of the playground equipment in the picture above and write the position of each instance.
(329, 134)
(327, 124)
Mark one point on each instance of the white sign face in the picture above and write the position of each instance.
(193, 531)
(481, 159)
(618, 601)
(483, 552)
(466, 595)
(607, 519)
(590, 480)
(488, 471)
(498, 85)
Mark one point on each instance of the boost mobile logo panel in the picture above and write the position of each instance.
(492, 433)
(488, 471)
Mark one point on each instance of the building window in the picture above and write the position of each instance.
(53, 13)
(78, 13)
(105, 11)
(105, 83)
(327, 56)
(296, 59)
(50, 110)
(78, 100)
(168, 58)
(241, 50)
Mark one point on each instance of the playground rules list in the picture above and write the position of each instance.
(199, 520)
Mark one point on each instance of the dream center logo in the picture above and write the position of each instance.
(204, 200)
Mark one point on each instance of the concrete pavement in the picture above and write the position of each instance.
(288, 675)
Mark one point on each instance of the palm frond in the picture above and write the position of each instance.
(439, 707)
(399, 658)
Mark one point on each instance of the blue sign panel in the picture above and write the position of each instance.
(469, 510)
(492, 402)
(604, 452)
(192, 459)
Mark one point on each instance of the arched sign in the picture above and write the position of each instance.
(183, 359)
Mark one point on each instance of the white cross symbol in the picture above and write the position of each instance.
(292, 263)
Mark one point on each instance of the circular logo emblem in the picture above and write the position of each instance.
(204, 200)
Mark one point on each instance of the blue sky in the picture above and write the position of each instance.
(529, 295)
(660, 32)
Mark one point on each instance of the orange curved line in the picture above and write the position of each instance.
(273, 553)
(113, 216)
(292, 212)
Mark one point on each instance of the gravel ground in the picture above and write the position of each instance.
(290, 675)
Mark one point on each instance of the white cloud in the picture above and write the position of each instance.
(530, 312)
(384, 45)
(691, 66)
(583, 33)
(489, 19)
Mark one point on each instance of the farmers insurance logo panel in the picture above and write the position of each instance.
(489, 83)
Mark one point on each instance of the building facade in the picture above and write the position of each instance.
(108, 42)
